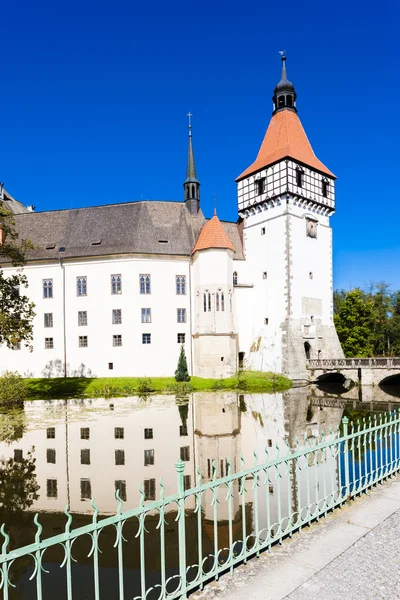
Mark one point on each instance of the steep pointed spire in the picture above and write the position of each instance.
(191, 185)
(284, 94)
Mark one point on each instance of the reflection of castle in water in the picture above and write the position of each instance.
(85, 448)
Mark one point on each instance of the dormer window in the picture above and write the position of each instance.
(260, 186)
(325, 185)
(299, 178)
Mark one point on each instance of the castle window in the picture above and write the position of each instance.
(48, 343)
(110, 366)
(47, 288)
(260, 185)
(51, 433)
(265, 274)
(217, 301)
(48, 319)
(51, 488)
(120, 457)
(222, 301)
(181, 338)
(281, 101)
(289, 100)
(235, 278)
(83, 341)
(262, 230)
(266, 321)
(149, 488)
(116, 316)
(145, 284)
(325, 188)
(181, 285)
(19, 455)
(51, 456)
(148, 458)
(119, 433)
(299, 178)
(85, 433)
(148, 433)
(181, 315)
(82, 318)
(120, 486)
(185, 453)
(116, 284)
(186, 482)
(85, 457)
(117, 340)
(310, 275)
(81, 286)
(86, 489)
(207, 301)
(146, 338)
(146, 315)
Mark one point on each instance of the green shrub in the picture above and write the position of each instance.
(180, 388)
(182, 373)
(145, 386)
(13, 390)
(218, 385)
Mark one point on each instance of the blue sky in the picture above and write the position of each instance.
(95, 95)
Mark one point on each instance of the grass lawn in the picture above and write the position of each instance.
(114, 387)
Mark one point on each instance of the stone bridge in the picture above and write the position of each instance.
(365, 371)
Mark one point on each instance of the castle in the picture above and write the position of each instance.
(119, 288)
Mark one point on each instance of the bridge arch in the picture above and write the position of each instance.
(391, 380)
(331, 377)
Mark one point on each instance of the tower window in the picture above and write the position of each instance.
(281, 101)
(289, 100)
(311, 275)
(299, 178)
(235, 278)
(145, 284)
(260, 185)
(265, 275)
(207, 301)
(266, 321)
(262, 230)
(325, 188)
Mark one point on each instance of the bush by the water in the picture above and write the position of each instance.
(13, 389)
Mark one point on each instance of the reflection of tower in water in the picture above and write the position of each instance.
(305, 425)
(217, 439)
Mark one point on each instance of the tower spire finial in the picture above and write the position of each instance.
(191, 184)
(284, 93)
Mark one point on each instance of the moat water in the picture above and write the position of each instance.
(56, 453)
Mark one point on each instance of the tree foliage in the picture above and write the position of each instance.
(368, 321)
(182, 373)
(16, 310)
(13, 390)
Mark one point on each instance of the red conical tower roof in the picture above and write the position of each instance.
(213, 235)
(285, 138)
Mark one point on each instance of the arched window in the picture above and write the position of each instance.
(209, 301)
(307, 350)
(289, 100)
(222, 301)
(217, 301)
(145, 284)
(235, 278)
(281, 101)
(205, 302)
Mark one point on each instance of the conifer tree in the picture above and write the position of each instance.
(182, 373)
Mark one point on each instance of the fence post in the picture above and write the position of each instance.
(180, 468)
(345, 422)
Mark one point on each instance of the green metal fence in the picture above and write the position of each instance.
(247, 512)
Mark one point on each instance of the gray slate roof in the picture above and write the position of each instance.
(14, 205)
(144, 227)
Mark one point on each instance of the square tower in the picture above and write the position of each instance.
(286, 198)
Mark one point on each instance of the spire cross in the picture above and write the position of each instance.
(189, 115)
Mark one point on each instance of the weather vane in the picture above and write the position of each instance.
(190, 116)
(282, 53)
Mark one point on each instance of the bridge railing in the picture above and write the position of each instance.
(337, 363)
(328, 469)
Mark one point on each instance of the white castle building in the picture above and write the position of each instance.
(118, 288)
